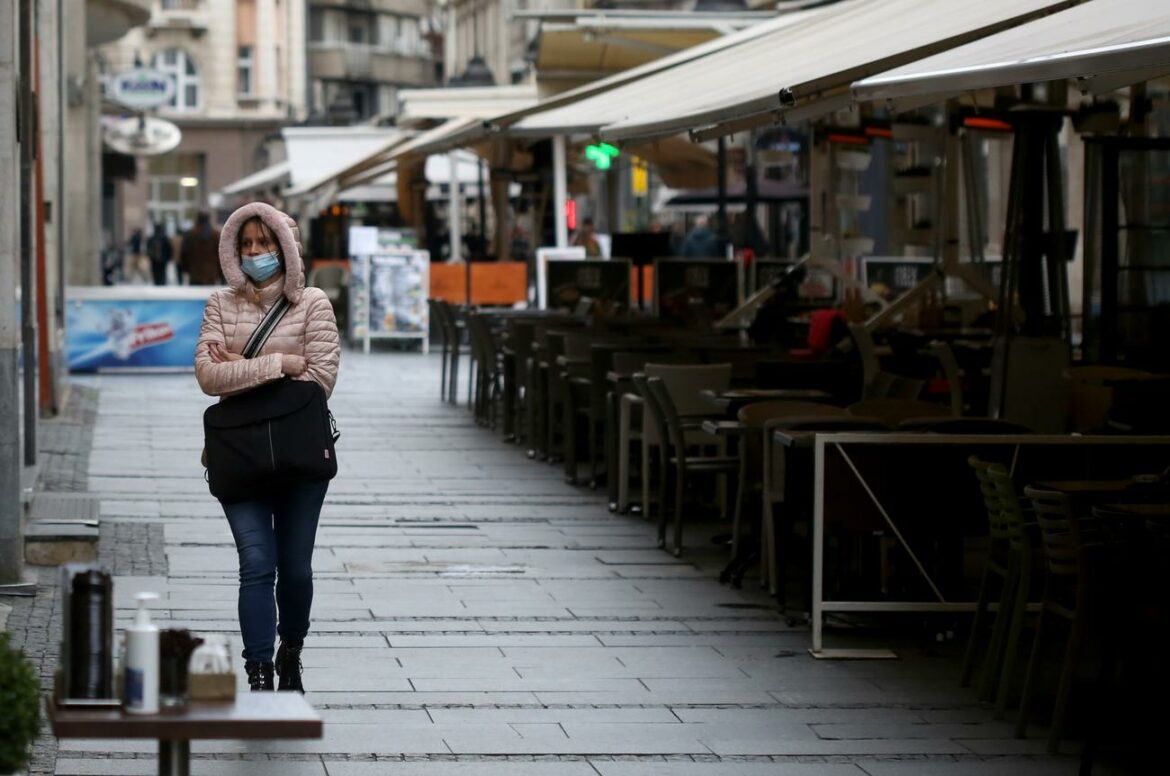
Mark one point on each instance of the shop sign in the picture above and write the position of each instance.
(142, 87)
(639, 179)
(142, 136)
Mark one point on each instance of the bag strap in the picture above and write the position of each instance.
(266, 327)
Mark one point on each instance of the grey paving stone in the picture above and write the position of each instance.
(454, 768)
(203, 767)
(476, 615)
(673, 768)
(1048, 766)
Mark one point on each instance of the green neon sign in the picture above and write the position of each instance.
(602, 155)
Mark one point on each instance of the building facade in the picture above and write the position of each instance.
(361, 52)
(240, 75)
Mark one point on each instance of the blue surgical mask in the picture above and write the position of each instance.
(261, 267)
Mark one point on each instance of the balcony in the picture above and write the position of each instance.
(350, 62)
(419, 8)
(189, 15)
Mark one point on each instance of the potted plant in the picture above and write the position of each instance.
(20, 707)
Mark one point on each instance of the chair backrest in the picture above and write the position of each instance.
(483, 342)
(1005, 518)
(447, 319)
(653, 419)
(950, 368)
(577, 343)
(1011, 512)
(669, 414)
(996, 528)
(863, 341)
(627, 362)
(1059, 532)
(963, 426)
(684, 382)
(435, 320)
(895, 411)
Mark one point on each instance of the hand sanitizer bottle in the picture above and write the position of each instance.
(140, 673)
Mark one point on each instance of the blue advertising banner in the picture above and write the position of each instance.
(133, 327)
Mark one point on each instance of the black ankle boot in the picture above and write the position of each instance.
(288, 666)
(259, 675)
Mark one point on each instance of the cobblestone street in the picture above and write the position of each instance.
(476, 615)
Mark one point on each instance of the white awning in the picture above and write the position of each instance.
(592, 105)
(1117, 41)
(317, 155)
(478, 102)
(270, 176)
(809, 65)
(374, 166)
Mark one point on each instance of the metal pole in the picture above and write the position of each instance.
(721, 227)
(482, 213)
(62, 105)
(28, 331)
(46, 383)
(454, 221)
(59, 209)
(560, 191)
(11, 535)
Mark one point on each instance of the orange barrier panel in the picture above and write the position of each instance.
(647, 285)
(492, 282)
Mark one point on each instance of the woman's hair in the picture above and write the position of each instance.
(266, 229)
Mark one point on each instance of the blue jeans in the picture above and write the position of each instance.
(274, 537)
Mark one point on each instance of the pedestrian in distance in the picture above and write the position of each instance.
(199, 253)
(158, 250)
(701, 243)
(274, 531)
(586, 238)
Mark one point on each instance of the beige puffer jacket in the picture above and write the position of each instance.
(307, 329)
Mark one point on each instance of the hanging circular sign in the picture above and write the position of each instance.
(142, 136)
(142, 87)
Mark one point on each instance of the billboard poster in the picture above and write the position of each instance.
(133, 327)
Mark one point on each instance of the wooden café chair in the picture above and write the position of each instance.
(676, 461)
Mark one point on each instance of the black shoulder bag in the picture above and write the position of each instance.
(271, 436)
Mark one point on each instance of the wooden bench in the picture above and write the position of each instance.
(264, 715)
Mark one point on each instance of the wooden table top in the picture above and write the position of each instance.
(251, 715)
(1147, 511)
(1079, 487)
(724, 427)
(733, 400)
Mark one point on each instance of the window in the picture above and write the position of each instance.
(408, 36)
(175, 192)
(176, 63)
(244, 71)
(363, 28)
(316, 25)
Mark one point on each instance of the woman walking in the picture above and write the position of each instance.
(274, 531)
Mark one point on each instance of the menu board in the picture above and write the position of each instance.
(388, 290)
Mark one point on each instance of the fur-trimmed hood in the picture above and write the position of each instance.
(287, 235)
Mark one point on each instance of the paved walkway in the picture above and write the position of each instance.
(476, 615)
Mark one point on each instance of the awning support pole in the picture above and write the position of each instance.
(721, 227)
(455, 216)
(560, 191)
